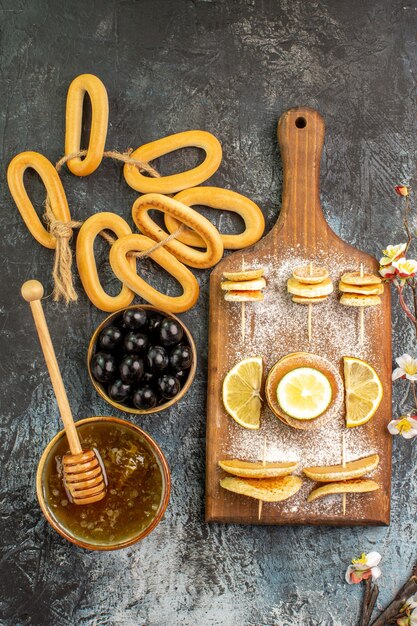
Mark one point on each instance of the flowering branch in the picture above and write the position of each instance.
(399, 271)
(406, 425)
(403, 609)
(400, 289)
(405, 192)
(365, 569)
(403, 606)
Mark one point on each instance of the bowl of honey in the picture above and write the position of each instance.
(137, 492)
(141, 359)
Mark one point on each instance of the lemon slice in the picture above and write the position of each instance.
(363, 391)
(352, 469)
(265, 489)
(304, 393)
(350, 486)
(250, 469)
(241, 392)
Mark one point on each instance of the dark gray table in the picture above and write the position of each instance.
(232, 68)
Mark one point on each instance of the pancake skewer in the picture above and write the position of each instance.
(360, 289)
(243, 307)
(309, 285)
(361, 316)
(310, 306)
(264, 464)
(243, 286)
(344, 465)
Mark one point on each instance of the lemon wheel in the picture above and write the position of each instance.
(241, 392)
(304, 393)
(363, 390)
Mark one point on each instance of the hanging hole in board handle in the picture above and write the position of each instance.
(301, 122)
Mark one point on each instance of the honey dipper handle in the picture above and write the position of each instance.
(32, 292)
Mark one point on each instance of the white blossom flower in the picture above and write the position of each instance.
(387, 271)
(411, 603)
(393, 253)
(366, 566)
(405, 268)
(406, 426)
(407, 368)
(409, 611)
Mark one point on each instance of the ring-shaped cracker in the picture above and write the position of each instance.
(90, 84)
(86, 261)
(189, 256)
(175, 182)
(56, 194)
(225, 200)
(167, 261)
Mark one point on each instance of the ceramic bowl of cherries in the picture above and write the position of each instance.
(141, 359)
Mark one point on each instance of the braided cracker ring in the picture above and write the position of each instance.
(56, 194)
(90, 84)
(226, 200)
(209, 233)
(86, 262)
(176, 182)
(167, 261)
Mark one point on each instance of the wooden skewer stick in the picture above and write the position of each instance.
(310, 308)
(344, 465)
(84, 476)
(361, 316)
(243, 311)
(263, 463)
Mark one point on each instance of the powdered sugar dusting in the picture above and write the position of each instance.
(276, 327)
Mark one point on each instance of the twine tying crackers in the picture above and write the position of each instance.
(63, 231)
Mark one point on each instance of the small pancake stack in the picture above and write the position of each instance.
(309, 285)
(360, 289)
(244, 286)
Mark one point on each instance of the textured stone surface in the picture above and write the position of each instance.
(231, 67)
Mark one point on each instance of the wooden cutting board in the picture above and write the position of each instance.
(276, 327)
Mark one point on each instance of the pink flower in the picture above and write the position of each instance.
(366, 566)
(402, 190)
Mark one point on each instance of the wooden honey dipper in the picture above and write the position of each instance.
(84, 475)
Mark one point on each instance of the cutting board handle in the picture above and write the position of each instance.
(300, 137)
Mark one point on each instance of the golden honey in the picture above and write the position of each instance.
(136, 492)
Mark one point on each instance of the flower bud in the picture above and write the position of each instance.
(402, 190)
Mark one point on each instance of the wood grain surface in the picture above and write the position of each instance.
(277, 327)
